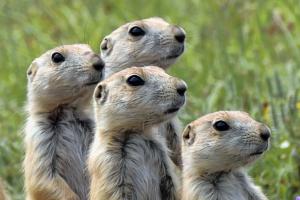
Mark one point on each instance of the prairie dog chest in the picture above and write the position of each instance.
(226, 187)
(136, 164)
(63, 129)
(57, 144)
(140, 153)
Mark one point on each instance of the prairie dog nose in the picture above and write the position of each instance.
(181, 88)
(265, 133)
(179, 34)
(98, 63)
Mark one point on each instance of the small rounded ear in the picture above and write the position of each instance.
(188, 135)
(31, 71)
(100, 94)
(106, 45)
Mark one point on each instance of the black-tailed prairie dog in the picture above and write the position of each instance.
(215, 149)
(128, 158)
(59, 127)
(151, 41)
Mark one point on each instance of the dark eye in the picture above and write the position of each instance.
(135, 80)
(136, 31)
(57, 57)
(221, 126)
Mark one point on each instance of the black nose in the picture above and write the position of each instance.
(265, 133)
(98, 65)
(179, 34)
(181, 90)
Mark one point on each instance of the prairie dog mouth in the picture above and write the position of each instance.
(177, 104)
(94, 80)
(171, 110)
(260, 151)
(173, 56)
(256, 153)
(177, 53)
(92, 83)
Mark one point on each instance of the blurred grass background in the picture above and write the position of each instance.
(240, 55)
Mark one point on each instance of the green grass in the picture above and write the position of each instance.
(240, 55)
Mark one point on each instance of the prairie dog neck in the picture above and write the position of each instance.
(130, 164)
(80, 106)
(105, 134)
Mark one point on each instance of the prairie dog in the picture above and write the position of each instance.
(215, 149)
(128, 158)
(151, 41)
(59, 127)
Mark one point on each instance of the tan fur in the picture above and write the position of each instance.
(171, 131)
(128, 158)
(3, 193)
(59, 126)
(158, 47)
(213, 159)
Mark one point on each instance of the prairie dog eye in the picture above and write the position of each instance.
(57, 57)
(136, 31)
(135, 80)
(221, 126)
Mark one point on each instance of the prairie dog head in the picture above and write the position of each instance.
(63, 75)
(145, 42)
(224, 140)
(138, 97)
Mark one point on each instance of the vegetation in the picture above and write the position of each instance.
(240, 55)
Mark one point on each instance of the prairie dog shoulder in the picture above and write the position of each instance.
(59, 127)
(151, 41)
(215, 149)
(127, 158)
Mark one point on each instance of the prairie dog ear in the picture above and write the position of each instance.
(100, 94)
(106, 46)
(31, 71)
(188, 135)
